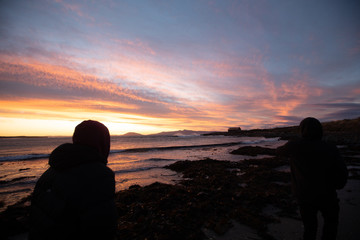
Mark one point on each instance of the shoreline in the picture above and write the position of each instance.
(24, 137)
(215, 200)
(340, 132)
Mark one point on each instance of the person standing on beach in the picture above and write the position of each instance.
(317, 171)
(75, 197)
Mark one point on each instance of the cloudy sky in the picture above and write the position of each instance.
(160, 65)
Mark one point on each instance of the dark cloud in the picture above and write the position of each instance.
(290, 120)
(339, 111)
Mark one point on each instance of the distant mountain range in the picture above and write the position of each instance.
(132, 134)
(180, 133)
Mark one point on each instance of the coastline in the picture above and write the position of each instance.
(24, 137)
(216, 200)
(248, 199)
(341, 132)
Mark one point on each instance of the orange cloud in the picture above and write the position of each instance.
(286, 97)
(40, 74)
(137, 109)
(25, 111)
(57, 109)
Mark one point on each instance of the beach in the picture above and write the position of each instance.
(134, 159)
(224, 200)
(218, 199)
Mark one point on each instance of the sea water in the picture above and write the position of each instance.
(134, 159)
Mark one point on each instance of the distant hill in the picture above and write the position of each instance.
(347, 125)
(345, 131)
(132, 134)
(180, 133)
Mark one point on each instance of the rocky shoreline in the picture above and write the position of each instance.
(342, 132)
(212, 195)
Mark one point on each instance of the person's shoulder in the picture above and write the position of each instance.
(95, 169)
(330, 147)
(85, 173)
(327, 145)
(293, 143)
(85, 178)
(287, 148)
(98, 165)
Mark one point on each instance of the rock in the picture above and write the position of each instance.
(254, 151)
(211, 195)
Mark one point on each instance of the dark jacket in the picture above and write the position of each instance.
(74, 198)
(317, 169)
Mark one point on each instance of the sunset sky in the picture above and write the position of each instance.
(151, 66)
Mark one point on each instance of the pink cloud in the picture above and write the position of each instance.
(40, 74)
(138, 46)
(230, 76)
(76, 8)
(287, 96)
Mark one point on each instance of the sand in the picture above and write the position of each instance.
(291, 229)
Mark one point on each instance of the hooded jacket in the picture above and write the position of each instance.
(74, 198)
(317, 168)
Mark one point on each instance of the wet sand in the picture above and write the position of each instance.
(349, 219)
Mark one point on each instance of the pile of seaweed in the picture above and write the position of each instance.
(212, 194)
(15, 219)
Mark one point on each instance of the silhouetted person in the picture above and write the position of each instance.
(74, 198)
(317, 170)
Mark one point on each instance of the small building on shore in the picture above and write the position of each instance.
(234, 130)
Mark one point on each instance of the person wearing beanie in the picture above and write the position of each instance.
(317, 171)
(75, 197)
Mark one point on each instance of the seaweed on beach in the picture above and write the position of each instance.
(210, 196)
(15, 219)
(15, 179)
(254, 151)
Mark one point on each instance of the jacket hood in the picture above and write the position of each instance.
(70, 155)
(93, 134)
(311, 129)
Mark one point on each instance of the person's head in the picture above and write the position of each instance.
(311, 128)
(94, 134)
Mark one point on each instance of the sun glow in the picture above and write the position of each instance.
(129, 67)
(51, 127)
(35, 117)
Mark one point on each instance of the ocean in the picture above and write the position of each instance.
(134, 159)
